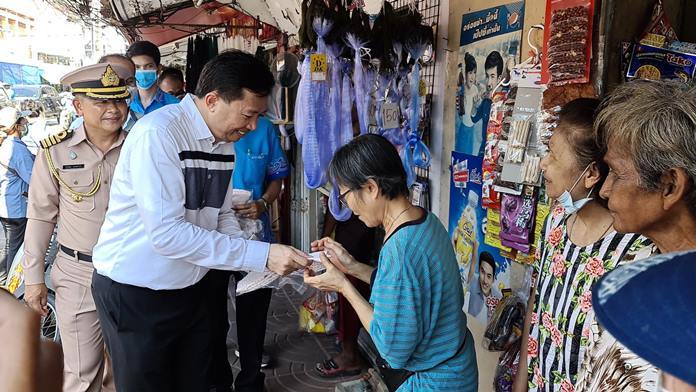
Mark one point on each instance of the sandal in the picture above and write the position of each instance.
(329, 369)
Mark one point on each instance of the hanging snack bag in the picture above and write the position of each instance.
(649, 62)
(567, 42)
(517, 220)
(659, 31)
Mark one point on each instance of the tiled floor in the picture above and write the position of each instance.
(293, 353)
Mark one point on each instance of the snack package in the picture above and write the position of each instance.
(567, 42)
(659, 32)
(505, 327)
(517, 220)
(318, 312)
(649, 62)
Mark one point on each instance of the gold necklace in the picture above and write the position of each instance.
(395, 219)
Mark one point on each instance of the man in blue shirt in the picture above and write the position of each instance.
(260, 166)
(146, 57)
(16, 162)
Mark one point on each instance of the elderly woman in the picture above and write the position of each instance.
(649, 130)
(414, 315)
(579, 244)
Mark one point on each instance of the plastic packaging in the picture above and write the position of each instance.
(568, 42)
(467, 230)
(319, 312)
(659, 32)
(505, 327)
(517, 220)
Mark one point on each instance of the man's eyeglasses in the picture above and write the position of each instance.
(342, 198)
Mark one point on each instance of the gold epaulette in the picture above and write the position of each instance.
(55, 139)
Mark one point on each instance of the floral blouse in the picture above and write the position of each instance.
(562, 317)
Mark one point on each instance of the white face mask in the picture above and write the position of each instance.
(566, 199)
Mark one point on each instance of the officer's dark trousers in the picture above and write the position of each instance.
(159, 340)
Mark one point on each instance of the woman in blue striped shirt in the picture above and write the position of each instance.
(414, 314)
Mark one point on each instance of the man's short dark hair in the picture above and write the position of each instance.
(171, 72)
(494, 59)
(233, 71)
(487, 258)
(144, 48)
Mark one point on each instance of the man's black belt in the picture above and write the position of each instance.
(80, 256)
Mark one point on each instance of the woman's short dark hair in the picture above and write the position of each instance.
(487, 258)
(144, 48)
(576, 121)
(369, 157)
(469, 63)
(231, 72)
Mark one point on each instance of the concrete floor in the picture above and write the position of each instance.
(294, 353)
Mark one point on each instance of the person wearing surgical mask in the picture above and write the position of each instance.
(16, 162)
(149, 97)
(577, 246)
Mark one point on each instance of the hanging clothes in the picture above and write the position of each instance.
(200, 50)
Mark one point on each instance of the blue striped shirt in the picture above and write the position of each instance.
(418, 322)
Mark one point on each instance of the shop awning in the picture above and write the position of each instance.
(165, 21)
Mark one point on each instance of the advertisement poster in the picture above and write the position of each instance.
(489, 45)
(484, 272)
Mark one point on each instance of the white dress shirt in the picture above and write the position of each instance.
(170, 216)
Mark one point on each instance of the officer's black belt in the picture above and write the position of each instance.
(80, 256)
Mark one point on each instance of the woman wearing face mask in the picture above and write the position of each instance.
(16, 163)
(578, 246)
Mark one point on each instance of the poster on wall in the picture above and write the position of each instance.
(489, 45)
(485, 273)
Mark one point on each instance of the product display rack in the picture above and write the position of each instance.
(307, 210)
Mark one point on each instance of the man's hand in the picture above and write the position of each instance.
(251, 210)
(36, 296)
(283, 259)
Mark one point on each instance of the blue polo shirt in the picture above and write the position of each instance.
(16, 163)
(161, 99)
(259, 159)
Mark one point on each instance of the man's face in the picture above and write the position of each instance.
(102, 115)
(172, 86)
(145, 63)
(231, 121)
(492, 78)
(485, 278)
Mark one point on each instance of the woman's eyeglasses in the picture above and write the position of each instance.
(342, 198)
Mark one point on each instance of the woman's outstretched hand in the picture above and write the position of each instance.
(337, 255)
(330, 280)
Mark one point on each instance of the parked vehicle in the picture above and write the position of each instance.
(41, 100)
(15, 284)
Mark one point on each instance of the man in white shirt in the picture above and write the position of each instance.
(170, 221)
